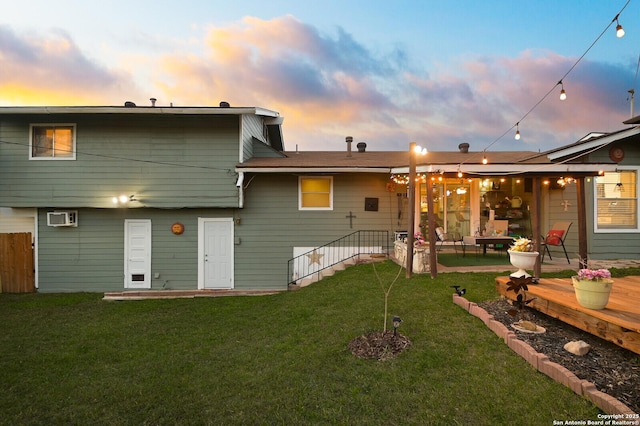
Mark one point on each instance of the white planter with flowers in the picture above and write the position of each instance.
(522, 256)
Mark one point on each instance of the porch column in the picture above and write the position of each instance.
(583, 248)
(535, 223)
(431, 215)
(411, 188)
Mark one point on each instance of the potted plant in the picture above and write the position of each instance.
(522, 256)
(592, 287)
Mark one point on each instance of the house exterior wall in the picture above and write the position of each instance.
(554, 211)
(90, 257)
(17, 220)
(252, 127)
(271, 224)
(165, 161)
(613, 245)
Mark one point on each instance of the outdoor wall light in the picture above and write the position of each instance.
(419, 150)
(123, 199)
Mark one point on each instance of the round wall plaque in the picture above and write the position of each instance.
(616, 154)
(177, 228)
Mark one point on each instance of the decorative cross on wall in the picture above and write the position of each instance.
(350, 216)
(565, 204)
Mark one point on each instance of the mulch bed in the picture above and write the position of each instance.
(612, 369)
(379, 345)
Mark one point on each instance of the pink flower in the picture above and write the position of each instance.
(594, 274)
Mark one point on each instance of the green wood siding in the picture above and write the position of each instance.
(616, 245)
(91, 256)
(166, 161)
(555, 213)
(272, 225)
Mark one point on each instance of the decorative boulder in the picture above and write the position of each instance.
(578, 347)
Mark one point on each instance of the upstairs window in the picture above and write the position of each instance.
(315, 193)
(617, 202)
(52, 142)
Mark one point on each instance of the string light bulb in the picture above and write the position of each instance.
(484, 159)
(619, 29)
(459, 172)
(518, 131)
(563, 94)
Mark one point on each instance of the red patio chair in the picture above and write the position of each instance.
(556, 237)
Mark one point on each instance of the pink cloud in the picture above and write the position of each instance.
(50, 69)
(328, 86)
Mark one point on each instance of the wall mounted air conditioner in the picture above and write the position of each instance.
(62, 218)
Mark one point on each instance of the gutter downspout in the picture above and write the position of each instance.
(240, 186)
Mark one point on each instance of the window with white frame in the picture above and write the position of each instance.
(616, 198)
(315, 193)
(52, 142)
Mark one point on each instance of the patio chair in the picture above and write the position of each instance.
(449, 237)
(556, 237)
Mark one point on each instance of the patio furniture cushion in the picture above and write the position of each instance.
(554, 237)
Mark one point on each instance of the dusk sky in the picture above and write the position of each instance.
(385, 72)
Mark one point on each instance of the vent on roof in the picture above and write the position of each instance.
(349, 141)
(224, 104)
(129, 104)
(464, 147)
(362, 147)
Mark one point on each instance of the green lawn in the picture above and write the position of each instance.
(280, 359)
(474, 259)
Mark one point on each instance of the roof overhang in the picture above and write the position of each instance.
(482, 170)
(311, 170)
(137, 110)
(593, 144)
(518, 168)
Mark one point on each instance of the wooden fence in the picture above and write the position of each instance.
(16, 263)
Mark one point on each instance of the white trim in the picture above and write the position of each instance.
(635, 230)
(53, 158)
(329, 178)
(473, 169)
(139, 110)
(310, 170)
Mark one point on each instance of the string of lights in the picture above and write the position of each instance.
(563, 95)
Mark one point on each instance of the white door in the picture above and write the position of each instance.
(137, 253)
(215, 253)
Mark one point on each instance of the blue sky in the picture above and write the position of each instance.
(385, 72)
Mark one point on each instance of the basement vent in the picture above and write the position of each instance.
(62, 218)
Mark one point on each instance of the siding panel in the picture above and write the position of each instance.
(165, 161)
(272, 225)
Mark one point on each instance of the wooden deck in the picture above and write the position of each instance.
(619, 322)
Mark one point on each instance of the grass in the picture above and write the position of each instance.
(472, 259)
(280, 359)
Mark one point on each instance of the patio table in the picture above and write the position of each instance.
(484, 241)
